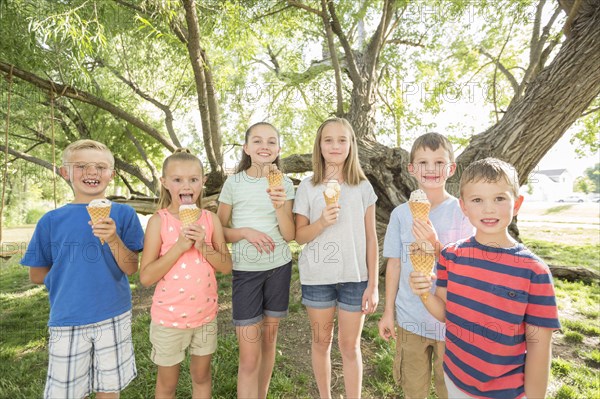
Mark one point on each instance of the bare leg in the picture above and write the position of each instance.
(200, 372)
(166, 382)
(250, 343)
(321, 322)
(269, 346)
(350, 325)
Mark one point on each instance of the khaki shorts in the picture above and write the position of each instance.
(169, 344)
(413, 365)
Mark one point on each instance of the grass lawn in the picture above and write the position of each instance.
(23, 340)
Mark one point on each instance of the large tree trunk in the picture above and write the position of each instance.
(551, 104)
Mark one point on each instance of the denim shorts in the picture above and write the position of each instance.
(347, 296)
(261, 293)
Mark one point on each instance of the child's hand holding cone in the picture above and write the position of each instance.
(422, 257)
(98, 210)
(276, 190)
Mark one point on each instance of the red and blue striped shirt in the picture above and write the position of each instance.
(492, 294)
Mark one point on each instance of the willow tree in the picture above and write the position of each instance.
(131, 84)
(559, 82)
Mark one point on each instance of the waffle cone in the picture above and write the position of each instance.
(96, 213)
(275, 178)
(419, 210)
(422, 258)
(331, 200)
(189, 216)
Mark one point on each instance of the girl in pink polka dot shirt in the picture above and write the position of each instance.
(181, 259)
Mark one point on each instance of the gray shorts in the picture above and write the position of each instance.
(258, 294)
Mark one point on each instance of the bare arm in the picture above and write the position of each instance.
(537, 360)
(261, 241)
(306, 231)
(285, 219)
(215, 252)
(38, 274)
(387, 328)
(154, 267)
(371, 295)
(435, 304)
(283, 212)
(127, 260)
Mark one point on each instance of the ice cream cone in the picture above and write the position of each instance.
(274, 177)
(419, 205)
(419, 210)
(188, 214)
(99, 209)
(422, 257)
(332, 192)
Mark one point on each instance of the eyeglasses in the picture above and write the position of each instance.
(85, 167)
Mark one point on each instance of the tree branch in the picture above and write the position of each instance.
(502, 68)
(572, 14)
(88, 98)
(334, 61)
(163, 107)
(311, 10)
(349, 54)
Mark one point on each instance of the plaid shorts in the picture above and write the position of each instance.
(95, 357)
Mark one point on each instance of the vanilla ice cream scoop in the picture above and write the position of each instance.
(418, 196)
(99, 203)
(332, 192)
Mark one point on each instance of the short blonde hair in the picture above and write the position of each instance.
(490, 170)
(352, 171)
(86, 145)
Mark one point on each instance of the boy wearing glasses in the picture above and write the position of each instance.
(85, 267)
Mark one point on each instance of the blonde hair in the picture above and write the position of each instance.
(432, 141)
(86, 145)
(180, 155)
(490, 170)
(352, 171)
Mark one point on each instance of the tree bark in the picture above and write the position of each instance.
(559, 95)
(207, 103)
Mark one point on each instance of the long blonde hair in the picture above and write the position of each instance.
(352, 171)
(180, 155)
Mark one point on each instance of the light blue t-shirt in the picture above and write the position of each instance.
(85, 284)
(451, 225)
(339, 253)
(251, 207)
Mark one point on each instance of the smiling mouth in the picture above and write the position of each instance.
(91, 182)
(489, 221)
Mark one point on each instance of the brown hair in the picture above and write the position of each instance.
(86, 145)
(246, 162)
(352, 171)
(490, 170)
(180, 155)
(433, 141)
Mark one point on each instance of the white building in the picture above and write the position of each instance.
(548, 185)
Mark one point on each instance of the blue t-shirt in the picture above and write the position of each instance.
(85, 284)
(451, 225)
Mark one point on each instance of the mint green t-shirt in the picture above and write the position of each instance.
(251, 207)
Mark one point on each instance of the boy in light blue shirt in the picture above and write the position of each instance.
(421, 336)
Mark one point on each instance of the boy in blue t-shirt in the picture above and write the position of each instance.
(85, 267)
(420, 340)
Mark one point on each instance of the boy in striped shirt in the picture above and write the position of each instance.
(496, 296)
